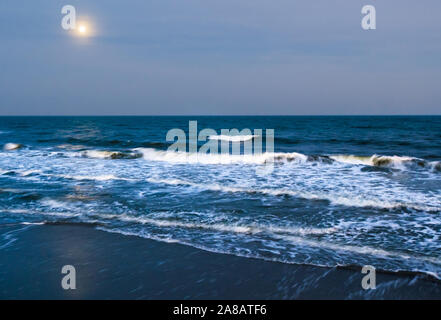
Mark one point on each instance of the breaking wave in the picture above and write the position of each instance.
(397, 162)
(12, 146)
(102, 154)
(237, 138)
(185, 157)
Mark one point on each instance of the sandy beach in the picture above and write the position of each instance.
(115, 266)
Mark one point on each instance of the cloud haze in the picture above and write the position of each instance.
(221, 57)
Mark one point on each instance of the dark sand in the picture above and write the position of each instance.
(114, 266)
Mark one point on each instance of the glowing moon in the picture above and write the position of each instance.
(82, 29)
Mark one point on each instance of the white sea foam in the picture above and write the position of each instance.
(51, 204)
(363, 250)
(298, 241)
(71, 147)
(184, 157)
(11, 190)
(238, 138)
(222, 227)
(98, 154)
(33, 223)
(352, 201)
(105, 177)
(103, 154)
(12, 146)
(18, 211)
(137, 234)
(375, 160)
(29, 172)
(399, 162)
(435, 165)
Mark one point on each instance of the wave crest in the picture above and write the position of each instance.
(184, 157)
(102, 154)
(12, 146)
(238, 138)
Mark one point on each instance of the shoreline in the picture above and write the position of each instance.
(115, 266)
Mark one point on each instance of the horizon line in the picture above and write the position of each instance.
(222, 115)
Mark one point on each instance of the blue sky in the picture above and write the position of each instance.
(221, 57)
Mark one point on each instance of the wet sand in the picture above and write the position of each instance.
(115, 266)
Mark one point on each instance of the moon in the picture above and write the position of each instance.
(82, 29)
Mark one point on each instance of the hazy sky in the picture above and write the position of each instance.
(221, 57)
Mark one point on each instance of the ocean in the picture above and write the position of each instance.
(344, 191)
